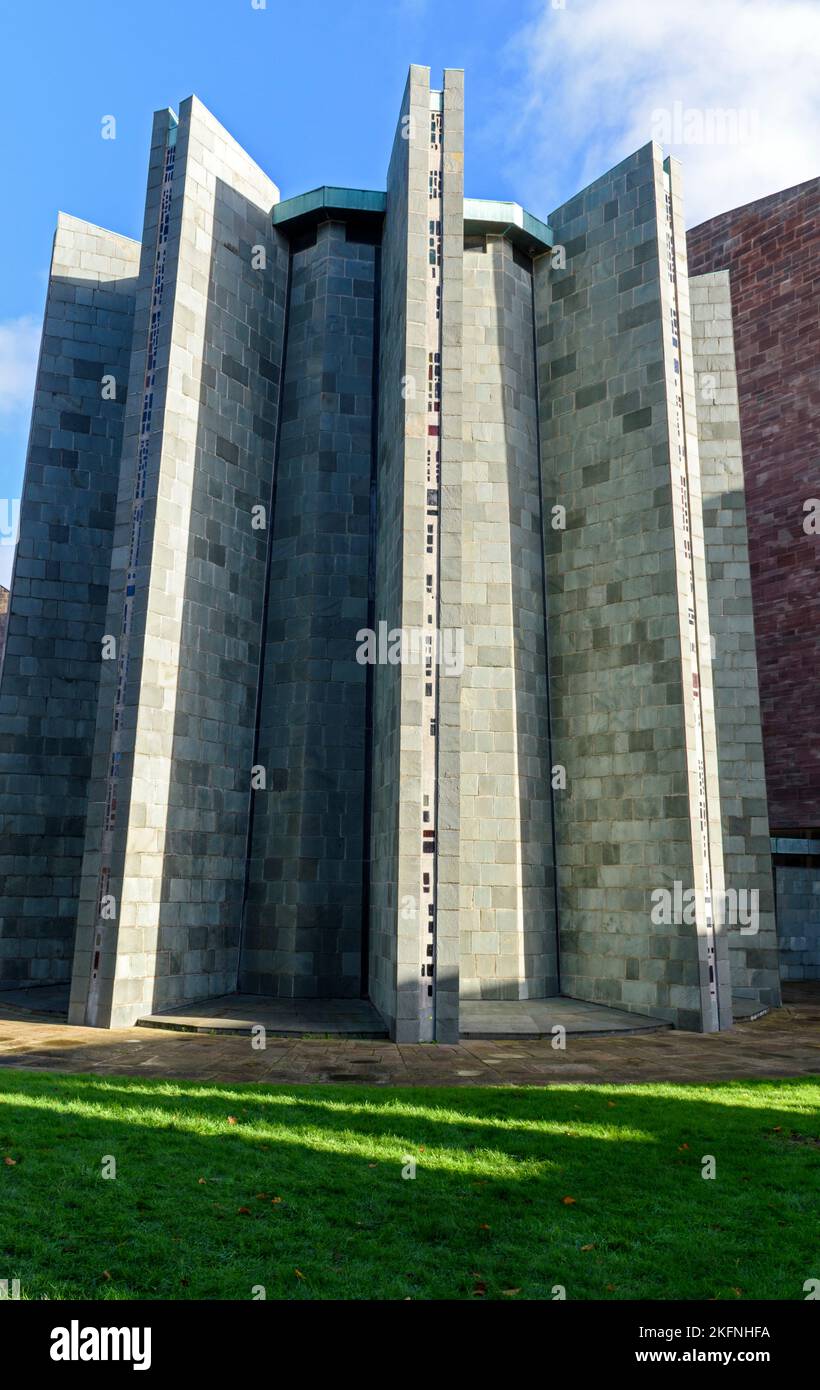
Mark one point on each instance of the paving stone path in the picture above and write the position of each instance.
(785, 1042)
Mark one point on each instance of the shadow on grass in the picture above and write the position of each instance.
(221, 1188)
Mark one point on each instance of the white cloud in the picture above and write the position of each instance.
(594, 77)
(19, 347)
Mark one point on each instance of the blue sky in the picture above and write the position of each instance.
(555, 94)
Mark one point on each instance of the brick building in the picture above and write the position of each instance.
(771, 249)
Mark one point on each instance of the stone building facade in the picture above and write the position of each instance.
(367, 640)
(769, 252)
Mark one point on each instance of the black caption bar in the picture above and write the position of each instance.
(144, 1338)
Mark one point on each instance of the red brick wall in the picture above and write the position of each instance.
(772, 249)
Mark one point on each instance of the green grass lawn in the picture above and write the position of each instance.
(223, 1187)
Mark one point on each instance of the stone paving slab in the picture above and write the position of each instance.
(536, 1018)
(239, 1013)
(786, 1042)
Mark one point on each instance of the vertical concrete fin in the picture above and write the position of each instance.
(446, 498)
(622, 688)
(175, 734)
(396, 798)
(56, 621)
(696, 643)
(418, 541)
(746, 853)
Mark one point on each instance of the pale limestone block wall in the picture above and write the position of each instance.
(746, 844)
(620, 679)
(508, 927)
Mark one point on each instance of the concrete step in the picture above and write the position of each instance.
(281, 1018)
(536, 1018)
